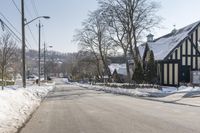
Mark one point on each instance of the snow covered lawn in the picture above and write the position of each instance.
(182, 95)
(16, 105)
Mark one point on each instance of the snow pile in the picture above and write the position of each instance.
(169, 89)
(127, 85)
(181, 89)
(186, 95)
(66, 80)
(140, 92)
(188, 89)
(16, 105)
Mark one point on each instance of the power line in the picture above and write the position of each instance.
(43, 33)
(32, 34)
(10, 30)
(34, 7)
(15, 28)
(16, 6)
(36, 12)
(9, 23)
(13, 33)
(27, 9)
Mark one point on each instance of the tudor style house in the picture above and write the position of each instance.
(177, 54)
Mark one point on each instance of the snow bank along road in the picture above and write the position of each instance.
(16, 104)
(71, 109)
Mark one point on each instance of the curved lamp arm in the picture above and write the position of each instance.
(45, 17)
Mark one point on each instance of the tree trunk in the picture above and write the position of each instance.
(105, 65)
(2, 79)
(98, 69)
(127, 69)
(104, 60)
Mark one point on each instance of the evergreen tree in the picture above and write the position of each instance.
(146, 51)
(116, 77)
(138, 75)
(150, 68)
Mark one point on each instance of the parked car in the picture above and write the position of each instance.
(32, 77)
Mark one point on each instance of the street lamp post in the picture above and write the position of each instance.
(23, 41)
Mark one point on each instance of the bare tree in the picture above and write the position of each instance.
(85, 41)
(88, 63)
(128, 21)
(117, 34)
(7, 52)
(16, 63)
(85, 66)
(135, 17)
(93, 37)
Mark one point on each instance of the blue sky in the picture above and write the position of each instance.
(67, 16)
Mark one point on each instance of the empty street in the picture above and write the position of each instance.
(71, 109)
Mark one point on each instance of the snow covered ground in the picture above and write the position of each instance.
(182, 95)
(141, 92)
(16, 105)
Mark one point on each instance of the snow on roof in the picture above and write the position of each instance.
(165, 44)
(120, 68)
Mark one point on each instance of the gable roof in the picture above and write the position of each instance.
(165, 44)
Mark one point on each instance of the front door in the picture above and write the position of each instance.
(185, 74)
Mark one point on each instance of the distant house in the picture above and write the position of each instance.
(120, 68)
(177, 54)
(119, 72)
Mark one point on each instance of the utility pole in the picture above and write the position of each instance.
(23, 46)
(39, 54)
(45, 62)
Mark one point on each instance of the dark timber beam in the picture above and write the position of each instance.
(196, 48)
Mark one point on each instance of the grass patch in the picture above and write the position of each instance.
(7, 83)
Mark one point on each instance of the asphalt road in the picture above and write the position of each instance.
(70, 109)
